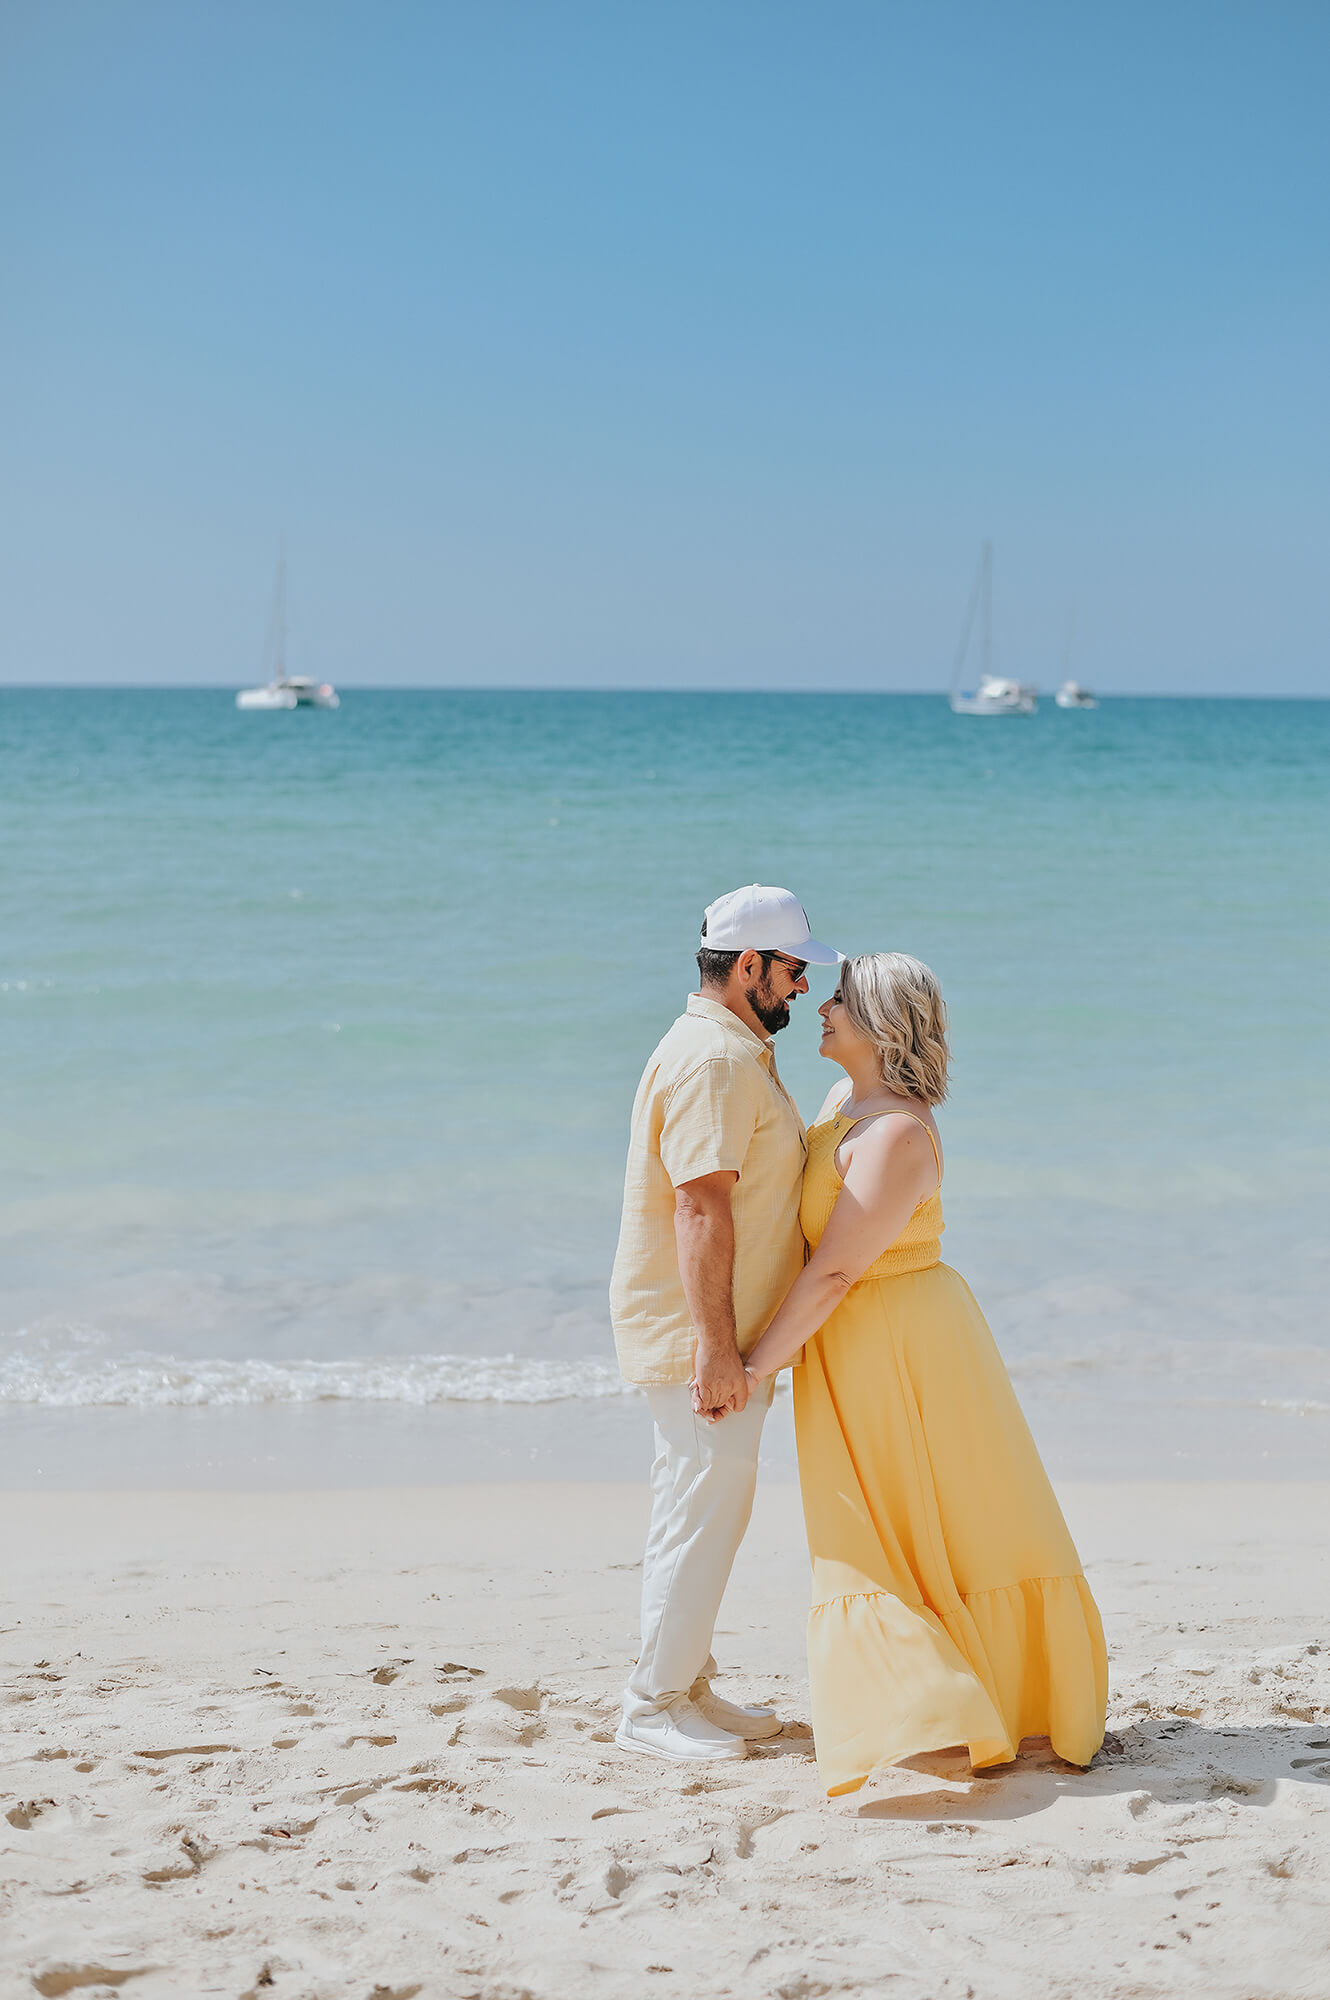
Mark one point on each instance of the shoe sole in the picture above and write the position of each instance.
(681, 1756)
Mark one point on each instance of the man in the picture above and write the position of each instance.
(709, 1245)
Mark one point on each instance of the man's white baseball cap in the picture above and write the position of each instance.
(762, 919)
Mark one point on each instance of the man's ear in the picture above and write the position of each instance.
(748, 965)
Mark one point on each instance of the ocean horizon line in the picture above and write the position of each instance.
(597, 688)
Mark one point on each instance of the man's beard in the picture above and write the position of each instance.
(772, 1013)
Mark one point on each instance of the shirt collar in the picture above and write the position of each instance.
(711, 1010)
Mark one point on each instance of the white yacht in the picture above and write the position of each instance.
(1072, 695)
(290, 691)
(996, 694)
(284, 690)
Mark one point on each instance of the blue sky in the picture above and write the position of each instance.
(665, 345)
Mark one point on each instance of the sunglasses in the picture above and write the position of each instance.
(796, 967)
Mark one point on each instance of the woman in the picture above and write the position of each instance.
(948, 1601)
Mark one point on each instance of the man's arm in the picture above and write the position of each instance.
(704, 1235)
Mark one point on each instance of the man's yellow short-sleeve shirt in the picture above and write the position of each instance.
(710, 1101)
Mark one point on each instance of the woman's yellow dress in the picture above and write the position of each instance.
(949, 1606)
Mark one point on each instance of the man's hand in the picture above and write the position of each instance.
(720, 1382)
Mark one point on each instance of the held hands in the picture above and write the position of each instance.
(720, 1381)
(707, 1385)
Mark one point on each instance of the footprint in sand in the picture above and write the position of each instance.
(527, 1699)
(453, 1706)
(63, 1979)
(351, 1795)
(430, 1784)
(385, 1675)
(196, 1853)
(23, 1816)
(509, 1719)
(458, 1680)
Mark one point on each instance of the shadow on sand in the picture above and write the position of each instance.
(1160, 1762)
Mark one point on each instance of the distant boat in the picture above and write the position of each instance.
(996, 694)
(1071, 694)
(284, 690)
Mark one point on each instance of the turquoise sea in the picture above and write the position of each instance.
(320, 1033)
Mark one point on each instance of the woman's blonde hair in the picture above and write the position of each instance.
(898, 1004)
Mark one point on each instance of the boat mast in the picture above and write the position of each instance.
(279, 610)
(274, 642)
(981, 587)
(987, 571)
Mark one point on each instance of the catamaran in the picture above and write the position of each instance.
(996, 693)
(283, 690)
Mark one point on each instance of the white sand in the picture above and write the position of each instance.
(355, 1744)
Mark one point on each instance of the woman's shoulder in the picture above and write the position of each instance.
(893, 1123)
(833, 1100)
(892, 1131)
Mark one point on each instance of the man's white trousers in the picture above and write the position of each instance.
(702, 1485)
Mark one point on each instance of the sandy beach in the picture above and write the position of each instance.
(346, 1744)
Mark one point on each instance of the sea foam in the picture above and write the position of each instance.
(151, 1381)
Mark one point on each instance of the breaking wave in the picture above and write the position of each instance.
(148, 1381)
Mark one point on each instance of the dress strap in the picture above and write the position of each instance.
(937, 1157)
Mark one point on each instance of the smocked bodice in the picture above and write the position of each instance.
(919, 1244)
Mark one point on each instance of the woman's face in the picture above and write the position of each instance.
(840, 1037)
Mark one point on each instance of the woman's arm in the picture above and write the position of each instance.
(891, 1169)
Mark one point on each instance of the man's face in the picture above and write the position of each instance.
(770, 995)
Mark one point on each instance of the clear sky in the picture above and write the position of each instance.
(692, 343)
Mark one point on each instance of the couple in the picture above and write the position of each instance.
(948, 1603)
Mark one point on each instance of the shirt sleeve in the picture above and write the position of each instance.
(710, 1117)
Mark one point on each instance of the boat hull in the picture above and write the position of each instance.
(290, 694)
(265, 698)
(983, 704)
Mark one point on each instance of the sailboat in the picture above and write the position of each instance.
(283, 690)
(1071, 694)
(996, 694)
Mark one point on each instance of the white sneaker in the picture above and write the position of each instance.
(752, 1723)
(680, 1735)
